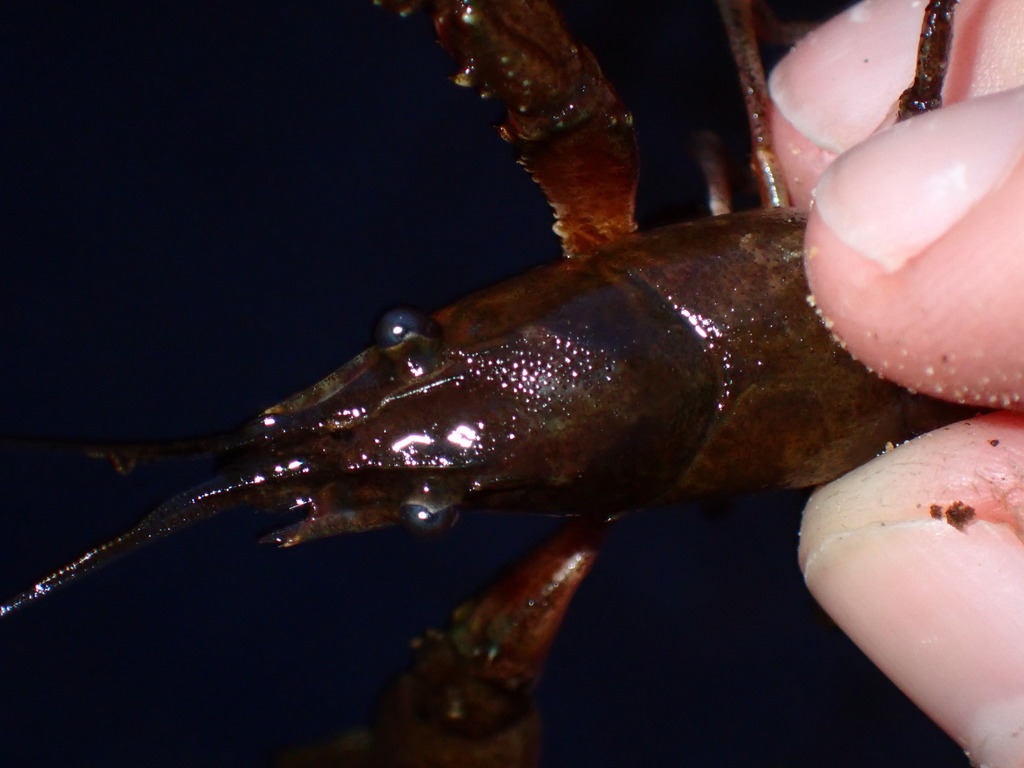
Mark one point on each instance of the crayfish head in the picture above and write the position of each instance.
(453, 416)
(550, 393)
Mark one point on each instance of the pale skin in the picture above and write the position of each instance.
(915, 253)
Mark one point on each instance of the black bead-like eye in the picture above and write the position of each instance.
(421, 520)
(399, 324)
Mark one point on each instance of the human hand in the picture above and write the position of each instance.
(915, 253)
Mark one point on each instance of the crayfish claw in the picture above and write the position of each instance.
(469, 694)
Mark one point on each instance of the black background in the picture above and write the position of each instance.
(204, 207)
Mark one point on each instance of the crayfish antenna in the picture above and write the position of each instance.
(125, 456)
(174, 514)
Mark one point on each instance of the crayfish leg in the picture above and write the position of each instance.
(467, 700)
(740, 26)
(708, 150)
(571, 130)
(934, 46)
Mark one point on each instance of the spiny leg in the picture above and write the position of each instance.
(740, 26)
(572, 132)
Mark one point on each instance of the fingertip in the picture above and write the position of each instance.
(918, 269)
(839, 83)
(896, 194)
(935, 601)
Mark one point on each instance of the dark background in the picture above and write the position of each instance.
(204, 207)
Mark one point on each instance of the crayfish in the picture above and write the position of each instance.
(339, 638)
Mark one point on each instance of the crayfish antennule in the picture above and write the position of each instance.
(173, 515)
(95, 558)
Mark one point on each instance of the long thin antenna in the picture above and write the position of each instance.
(173, 515)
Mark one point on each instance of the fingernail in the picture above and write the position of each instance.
(868, 49)
(894, 195)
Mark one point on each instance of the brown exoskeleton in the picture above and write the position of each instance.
(291, 657)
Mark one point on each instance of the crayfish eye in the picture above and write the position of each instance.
(399, 324)
(423, 521)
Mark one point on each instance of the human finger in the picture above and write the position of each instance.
(915, 251)
(841, 82)
(919, 557)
